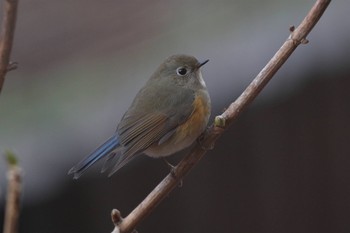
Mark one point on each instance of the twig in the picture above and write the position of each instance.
(6, 37)
(222, 122)
(13, 194)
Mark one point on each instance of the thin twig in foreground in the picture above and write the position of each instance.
(13, 194)
(222, 122)
(6, 37)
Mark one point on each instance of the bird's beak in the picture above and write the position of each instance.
(202, 63)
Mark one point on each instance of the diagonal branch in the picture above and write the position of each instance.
(6, 37)
(222, 122)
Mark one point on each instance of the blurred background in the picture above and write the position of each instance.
(282, 167)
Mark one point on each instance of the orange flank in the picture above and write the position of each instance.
(194, 124)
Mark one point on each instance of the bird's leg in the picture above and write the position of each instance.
(172, 167)
(201, 138)
(172, 171)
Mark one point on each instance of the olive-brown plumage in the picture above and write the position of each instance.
(167, 115)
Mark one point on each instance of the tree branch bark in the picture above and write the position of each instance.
(13, 194)
(221, 123)
(6, 37)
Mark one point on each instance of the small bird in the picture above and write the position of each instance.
(167, 115)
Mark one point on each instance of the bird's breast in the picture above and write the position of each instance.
(196, 123)
(187, 132)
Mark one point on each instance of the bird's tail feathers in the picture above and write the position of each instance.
(105, 149)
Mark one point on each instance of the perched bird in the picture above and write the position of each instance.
(167, 115)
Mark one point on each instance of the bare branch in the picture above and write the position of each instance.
(13, 194)
(297, 37)
(6, 37)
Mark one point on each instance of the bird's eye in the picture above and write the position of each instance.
(181, 71)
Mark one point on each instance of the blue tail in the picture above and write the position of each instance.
(106, 148)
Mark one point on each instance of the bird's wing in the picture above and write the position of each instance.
(142, 126)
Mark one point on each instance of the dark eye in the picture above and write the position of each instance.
(181, 71)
